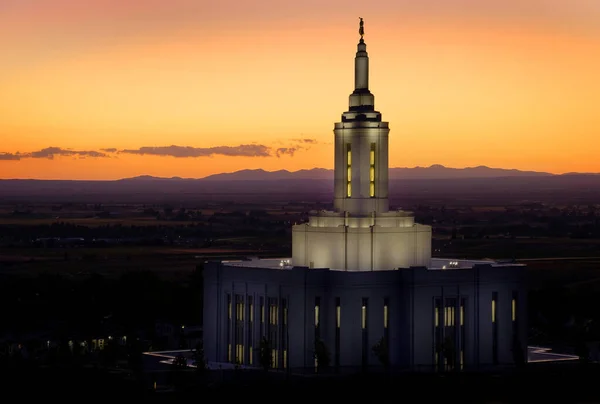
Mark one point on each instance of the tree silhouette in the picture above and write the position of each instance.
(199, 359)
(381, 351)
(321, 355)
(265, 355)
(517, 351)
(449, 353)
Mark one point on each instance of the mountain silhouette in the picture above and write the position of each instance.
(435, 171)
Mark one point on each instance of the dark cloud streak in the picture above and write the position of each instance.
(311, 141)
(9, 156)
(50, 153)
(286, 151)
(244, 150)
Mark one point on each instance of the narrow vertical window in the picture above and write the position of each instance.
(365, 332)
(239, 329)
(363, 315)
(261, 314)
(515, 322)
(338, 322)
(462, 333)
(273, 330)
(450, 335)
(514, 306)
(495, 327)
(437, 333)
(317, 316)
(284, 333)
(372, 171)
(385, 313)
(386, 325)
(228, 332)
(250, 335)
(349, 170)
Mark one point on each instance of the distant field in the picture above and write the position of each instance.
(94, 222)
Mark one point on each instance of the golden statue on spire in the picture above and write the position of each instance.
(361, 30)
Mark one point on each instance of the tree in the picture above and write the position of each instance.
(199, 359)
(265, 355)
(134, 355)
(381, 351)
(449, 353)
(517, 351)
(321, 355)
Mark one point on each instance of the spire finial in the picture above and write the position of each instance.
(361, 29)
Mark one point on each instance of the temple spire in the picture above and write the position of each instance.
(361, 62)
(361, 29)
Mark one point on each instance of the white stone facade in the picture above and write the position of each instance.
(400, 307)
(362, 274)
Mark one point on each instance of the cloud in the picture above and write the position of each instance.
(50, 153)
(311, 141)
(9, 156)
(286, 150)
(245, 150)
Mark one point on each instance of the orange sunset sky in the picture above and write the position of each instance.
(105, 89)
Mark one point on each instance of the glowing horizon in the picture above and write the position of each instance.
(106, 89)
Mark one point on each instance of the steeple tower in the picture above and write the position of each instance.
(361, 234)
(361, 147)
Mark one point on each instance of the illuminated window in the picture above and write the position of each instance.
(514, 309)
(317, 317)
(228, 329)
(250, 350)
(273, 314)
(364, 317)
(437, 316)
(239, 353)
(385, 316)
(349, 170)
(493, 310)
(285, 358)
(372, 171)
(338, 323)
(363, 313)
(449, 316)
(463, 335)
(365, 332)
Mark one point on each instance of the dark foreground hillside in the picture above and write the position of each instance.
(566, 383)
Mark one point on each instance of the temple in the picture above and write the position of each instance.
(361, 290)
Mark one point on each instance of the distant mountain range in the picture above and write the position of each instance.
(397, 173)
(434, 182)
(433, 172)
